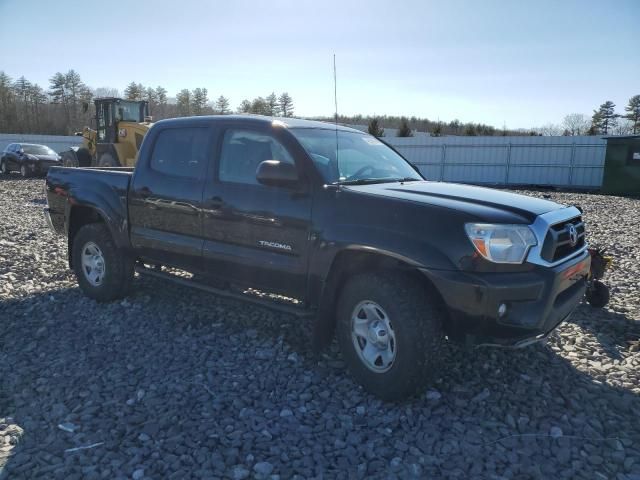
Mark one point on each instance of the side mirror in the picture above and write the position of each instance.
(275, 173)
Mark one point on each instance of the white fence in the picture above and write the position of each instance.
(56, 142)
(555, 161)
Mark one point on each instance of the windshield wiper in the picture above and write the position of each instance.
(405, 179)
(369, 181)
(363, 181)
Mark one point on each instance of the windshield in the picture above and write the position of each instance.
(360, 157)
(37, 150)
(129, 111)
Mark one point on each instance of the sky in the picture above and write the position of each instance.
(516, 63)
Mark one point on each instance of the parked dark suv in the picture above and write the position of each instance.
(28, 159)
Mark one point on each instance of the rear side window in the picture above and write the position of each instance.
(181, 152)
(242, 152)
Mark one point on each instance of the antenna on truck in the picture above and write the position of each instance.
(335, 98)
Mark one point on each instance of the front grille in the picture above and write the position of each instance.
(557, 243)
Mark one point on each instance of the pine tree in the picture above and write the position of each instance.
(437, 130)
(58, 93)
(470, 130)
(161, 95)
(405, 129)
(134, 91)
(244, 107)
(151, 97)
(183, 104)
(375, 128)
(7, 104)
(259, 106)
(273, 106)
(199, 100)
(604, 119)
(222, 105)
(634, 113)
(286, 105)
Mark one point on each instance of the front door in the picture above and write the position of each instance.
(165, 198)
(255, 235)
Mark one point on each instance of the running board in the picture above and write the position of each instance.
(289, 309)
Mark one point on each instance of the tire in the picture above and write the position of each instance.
(23, 171)
(413, 328)
(113, 278)
(4, 168)
(597, 294)
(83, 157)
(107, 160)
(69, 159)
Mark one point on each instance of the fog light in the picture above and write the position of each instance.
(502, 310)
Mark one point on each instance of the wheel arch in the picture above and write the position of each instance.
(81, 215)
(351, 261)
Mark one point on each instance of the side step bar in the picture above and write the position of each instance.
(289, 309)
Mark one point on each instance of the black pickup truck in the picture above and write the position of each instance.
(330, 223)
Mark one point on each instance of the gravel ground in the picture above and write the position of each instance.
(175, 383)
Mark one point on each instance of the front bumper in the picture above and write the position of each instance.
(41, 168)
(537, 301)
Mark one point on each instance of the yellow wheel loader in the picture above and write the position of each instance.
(120, 126)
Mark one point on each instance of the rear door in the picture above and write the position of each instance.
(165, 198)
(255, 235)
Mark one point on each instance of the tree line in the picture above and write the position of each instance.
(26, 107)
(66, 106)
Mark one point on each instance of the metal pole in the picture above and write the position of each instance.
(506, 177)
(572, 162)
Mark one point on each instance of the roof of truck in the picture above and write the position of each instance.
(286, 122)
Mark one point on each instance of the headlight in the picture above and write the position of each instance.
(501, 243)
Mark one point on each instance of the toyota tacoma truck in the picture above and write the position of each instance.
(326, 222)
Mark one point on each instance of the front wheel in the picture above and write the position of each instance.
(4, 168)
(390, 331)
(103, 271)
(23, 171)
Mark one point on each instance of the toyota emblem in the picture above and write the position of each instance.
(573, 235)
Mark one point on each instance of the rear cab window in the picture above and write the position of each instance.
(181, 152)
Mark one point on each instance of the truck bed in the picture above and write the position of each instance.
(103, 188)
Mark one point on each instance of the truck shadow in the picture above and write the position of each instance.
(170, 371)
(617, 334)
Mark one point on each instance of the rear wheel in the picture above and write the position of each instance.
(107, 160)
(4, 168)
(23, 171)
(83, 157)
(103, 271)
(390, 332)
(69, 159)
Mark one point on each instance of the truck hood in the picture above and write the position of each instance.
(486, 203)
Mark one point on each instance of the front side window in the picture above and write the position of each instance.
(129, 111)
(242, 152)
(345, 156)
(181, 152)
